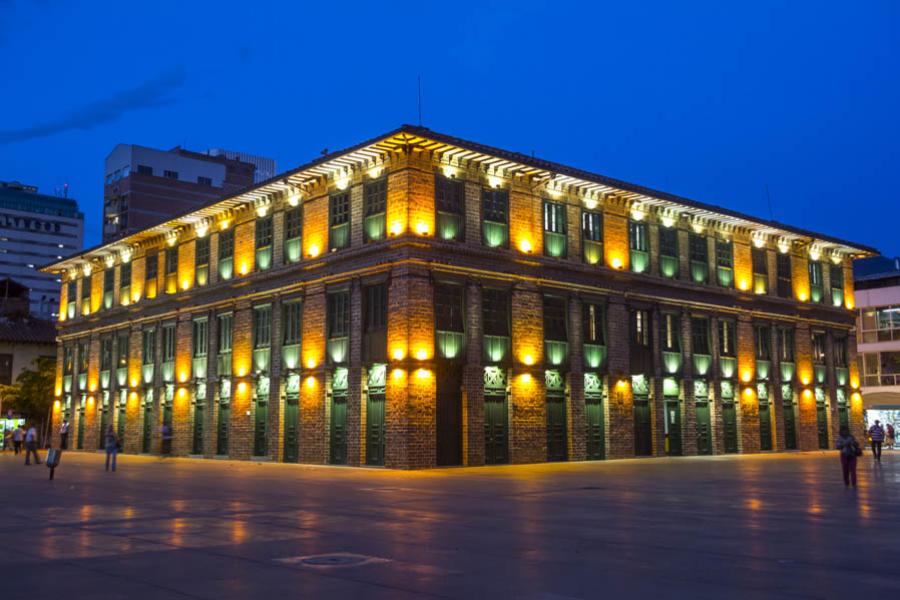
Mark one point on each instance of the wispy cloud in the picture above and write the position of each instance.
(150, 94)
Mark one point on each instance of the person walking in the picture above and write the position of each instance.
(64, 435)
(112, 447)
(876, 433)
(31, 445)
(850, 450)
(166, 440)
(889, 441)
(18, 436)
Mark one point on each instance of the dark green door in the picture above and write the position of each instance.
(765, 425)
(844, 415)
(199, 419)
(375, 428)
(729, 419)
(260, 426)
(79, 443)
(704, 430)
(292, 429)
(120, 423)
(790, 427)
(166, 445)
(556, 429)
(104, 422)
(496, 446)
(222, 427)
(148, 428)
(338, 429)
(673, 426)
(642, 442)
(593, 414)
(449, 415)
(822, 425)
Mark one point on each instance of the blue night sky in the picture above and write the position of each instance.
(708, 100)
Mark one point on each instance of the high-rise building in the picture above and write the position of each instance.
(145, 186)
(37, 229)
(420, 299)
(266, 168)
(878, 336)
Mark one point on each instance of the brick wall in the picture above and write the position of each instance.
(313, 432)
(528, 432)
(615, 235)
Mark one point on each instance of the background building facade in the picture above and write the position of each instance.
(145, 186)
(35, 230)
(422, 300)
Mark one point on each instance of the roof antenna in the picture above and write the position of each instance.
(769, 200)
(419, 82)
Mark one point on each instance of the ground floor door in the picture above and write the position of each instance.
(198, 431)
(729, 422)
(673, 427)
(147, 433)
(704, 429)
(844, 416)
(121, 412)
(166, 444)
(496, 415)
(557, 430)
(224, 418)
(375, 425)
(449, 415)
(291, 429)
(643, 445)
(338, 454)
(595, 436)
(260, 425)
(79, 442)
(822, 425)
(765, 425)
(790, 427)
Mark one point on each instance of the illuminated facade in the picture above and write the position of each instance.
(422, 300)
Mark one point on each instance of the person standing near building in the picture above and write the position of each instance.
(166, 440)
(31, 445)
(876, 433)
(111, 444)
(17, 436)
(849, 450)
(889, 441)
(64, 434)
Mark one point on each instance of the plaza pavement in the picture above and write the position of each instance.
(756, 526)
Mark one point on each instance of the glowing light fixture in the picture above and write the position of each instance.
(86, 269)
(110, 260)
(294, 199)
(815, 253)
(759, 241)
(398, 353)
(783, 246)
(448, 171)
(637, 213)
(421, 354)
(422, 228)
(528, 359)
(494, 181)
(310, 363)
(525, 246)
(668, 221)
(262, 210)
(313, 250)
(223, 224)
(342, 182)
(375, 171)
(202, 229)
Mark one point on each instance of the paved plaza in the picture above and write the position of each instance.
(704, 527)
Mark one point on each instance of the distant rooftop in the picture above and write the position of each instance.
(876, 272)
(18, 196)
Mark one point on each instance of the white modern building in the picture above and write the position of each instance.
(877, 283)
(36, 229)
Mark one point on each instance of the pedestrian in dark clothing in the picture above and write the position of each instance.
(111, 444)
(876, 433)
(31, 445)
(850, 450)
(166, 440)
(18, 436)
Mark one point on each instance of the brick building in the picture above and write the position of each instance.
(421, 300)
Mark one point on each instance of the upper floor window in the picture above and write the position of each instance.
(374, 207)
(339, 220)
(760, 260)
(840, 351)
(375, 311)
(495, 215)
(786, 345)
(338, 314)
(224, 329)
(640, 328)
(837, 285)
(784, 275)
(818, 347)
(761, 334)
(71, 298)
(293, 232)
(554, 229)
(555, 319)
(122, 350)
(109, 278)
(639, 246)
(226, 254)
(201, 260)
(204, 180)
(106, 348)
(700, 335)
(293, 322)
(262, 326)
(880, 324)
(699, 256)
(816, 290)
(172, 270)
(151, 273)
(726, 338)
(495, 309)
(200, 337)
(725, 263)
(264, 236)
(594, 324)
(671, 332)
(145, 169)
(668, 251)
(68, 360)
(148, 346)
(170, 174)
(449, 312)
(168, 342)
(449, 199)
(592, 236)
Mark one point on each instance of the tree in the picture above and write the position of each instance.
(32, 394)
